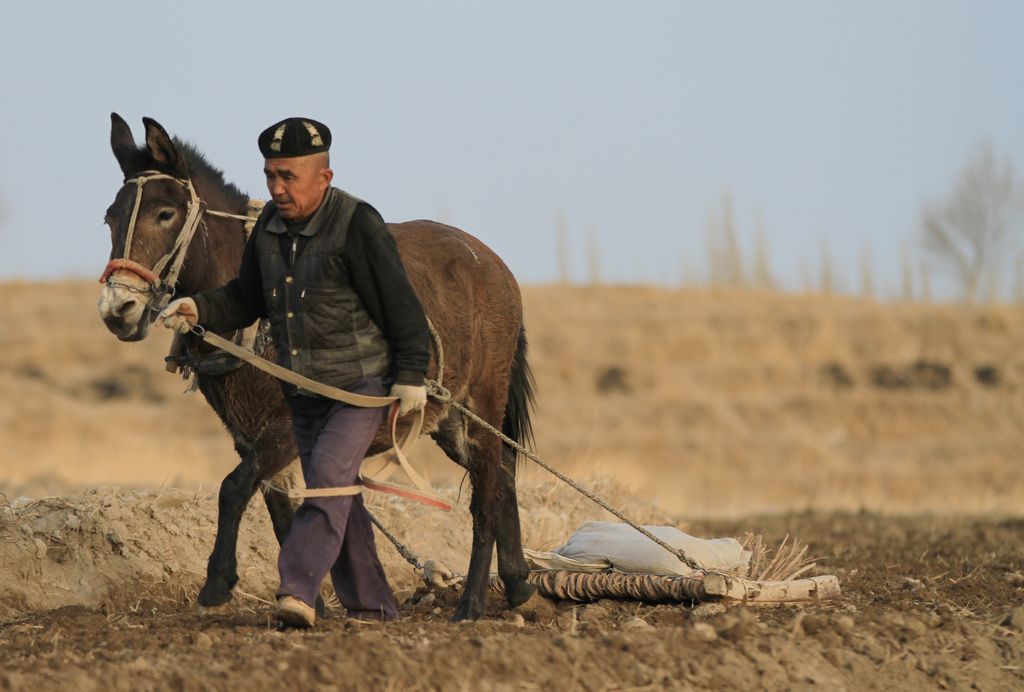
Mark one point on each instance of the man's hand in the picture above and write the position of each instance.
(181, 315)
(411, 397)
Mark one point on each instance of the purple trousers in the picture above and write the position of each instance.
(334, 534)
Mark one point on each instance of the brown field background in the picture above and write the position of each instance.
(706, 402)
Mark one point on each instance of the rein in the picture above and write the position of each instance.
(394, 459)
(161, 289)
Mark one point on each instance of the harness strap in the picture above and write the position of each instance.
(230, 216)
(140, 180)
(292, 377)
(393, 458)
(175, 257)
(117, 264)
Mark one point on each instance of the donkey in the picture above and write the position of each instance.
(465, 289)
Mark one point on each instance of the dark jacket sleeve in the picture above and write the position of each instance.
(378, 276)
(239, 302)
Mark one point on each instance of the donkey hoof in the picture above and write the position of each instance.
(226, 608)
(213, 598)
(467, 611)
(519, 592)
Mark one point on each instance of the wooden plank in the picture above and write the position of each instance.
(747, 590)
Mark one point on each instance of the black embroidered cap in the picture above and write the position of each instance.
(293, 137)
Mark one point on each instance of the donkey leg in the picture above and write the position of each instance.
(512, 566)
(453, 439)
(281, 512)
(485, 475)
(277, 453)
(222, 569)
(491, 517)
(474, 595)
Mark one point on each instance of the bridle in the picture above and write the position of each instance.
(162, 279)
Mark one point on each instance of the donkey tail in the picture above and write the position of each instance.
(520, 398)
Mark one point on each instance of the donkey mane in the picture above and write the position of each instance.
(201, 169)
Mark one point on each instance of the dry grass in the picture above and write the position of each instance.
(788, 561)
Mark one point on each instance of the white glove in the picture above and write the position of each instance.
(411, 397)
(181, 315)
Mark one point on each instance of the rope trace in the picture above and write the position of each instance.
(440, 394)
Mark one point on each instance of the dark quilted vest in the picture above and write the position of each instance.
(318, 323)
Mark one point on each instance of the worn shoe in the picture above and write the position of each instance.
(294, 613)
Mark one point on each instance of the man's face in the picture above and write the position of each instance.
(297, 185)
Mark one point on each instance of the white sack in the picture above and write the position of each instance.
(627, 550)
(553, 562)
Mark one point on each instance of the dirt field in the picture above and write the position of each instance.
(886, 437)
(930, 602)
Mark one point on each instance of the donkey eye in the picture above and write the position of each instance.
(165, 215)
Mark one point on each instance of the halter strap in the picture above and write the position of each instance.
(175, 257)
(139, 181)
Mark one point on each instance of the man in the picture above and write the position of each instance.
(324, 268)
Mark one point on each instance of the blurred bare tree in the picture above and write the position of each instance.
(725, 258)
(926, 283)
(907, 272)
(827, 277)
(562, 247)
(969, 233)
(593, 257)
(867, 274)
(761, 267)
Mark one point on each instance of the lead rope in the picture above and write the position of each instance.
(436, 391)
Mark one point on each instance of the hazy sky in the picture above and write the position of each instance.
(828, 122)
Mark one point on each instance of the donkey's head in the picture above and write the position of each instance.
(152, 221)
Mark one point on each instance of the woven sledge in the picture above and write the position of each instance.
(764, 576)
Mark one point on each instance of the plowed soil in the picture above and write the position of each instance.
(929, 603)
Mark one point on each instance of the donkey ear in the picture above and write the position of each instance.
(122, 142)
(162, 149)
